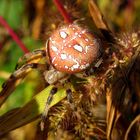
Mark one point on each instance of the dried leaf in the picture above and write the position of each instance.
(29, 111)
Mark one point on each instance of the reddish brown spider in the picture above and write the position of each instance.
(70, 50)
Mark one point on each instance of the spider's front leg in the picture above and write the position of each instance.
(46, 109)
(47, 106)
(31, 57)
(49, 100)
(55, 78)
(15, 78)
(25, 64)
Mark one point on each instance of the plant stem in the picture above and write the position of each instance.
(0, 45)
(13, 35)
(62, 10)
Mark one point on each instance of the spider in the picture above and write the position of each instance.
(70, 50)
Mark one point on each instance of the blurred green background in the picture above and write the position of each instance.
(24, 15)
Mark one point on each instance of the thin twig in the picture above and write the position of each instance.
(130, 126)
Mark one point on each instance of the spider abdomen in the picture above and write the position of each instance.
(72, 48)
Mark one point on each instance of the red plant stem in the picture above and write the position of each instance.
(0, 45)
(62, 11)
(13, 35)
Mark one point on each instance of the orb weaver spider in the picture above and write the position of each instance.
(70, 50)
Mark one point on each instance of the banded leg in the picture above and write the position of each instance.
(31, 57)
(49, 100)
(45, 112)
(15, 79)
(69, 95)
(69, 98)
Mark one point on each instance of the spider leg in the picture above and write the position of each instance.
(15, 79)
(27, 68)
(31, 57)
(50, 98)
(45, 112)
(69, 95)
(70, 99)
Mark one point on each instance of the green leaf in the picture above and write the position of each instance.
(12, 11)
(29, 111)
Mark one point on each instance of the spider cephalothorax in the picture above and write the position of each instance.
(70, 49)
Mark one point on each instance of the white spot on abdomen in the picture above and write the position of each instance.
(78, 48)
(86, 48)
(70, 57)
(63, 56)
(63, 34)
(84, 66)
(54, 48)
(53, 59)
(66, 67)
(76, 66)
